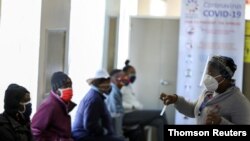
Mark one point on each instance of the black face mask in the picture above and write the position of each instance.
(108, 91)
(126, 83)
(27, 111)
(132, 79)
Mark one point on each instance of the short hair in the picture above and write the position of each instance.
(58, 80)
(114, 72)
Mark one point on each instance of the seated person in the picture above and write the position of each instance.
(92, 120)
(114, 104)
(15, 120)
(134, 109)
(52, 121)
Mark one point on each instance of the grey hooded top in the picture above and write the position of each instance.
(232, 105)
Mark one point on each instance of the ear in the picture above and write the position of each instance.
(225, 74)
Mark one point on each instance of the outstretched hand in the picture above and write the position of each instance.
(168, 98)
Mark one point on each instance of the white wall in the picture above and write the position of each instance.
(55, 15)
(0, 9)
(159, 7)
(174, 7)
(247, 12)
(127, 8)
(85, 44)
(19, 45)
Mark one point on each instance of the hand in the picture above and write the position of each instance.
(168, 98)
(213, 118)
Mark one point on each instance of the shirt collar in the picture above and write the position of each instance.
(97, 90)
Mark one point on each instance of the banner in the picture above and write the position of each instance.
(207, 28)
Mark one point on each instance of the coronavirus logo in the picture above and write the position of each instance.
(192, 6)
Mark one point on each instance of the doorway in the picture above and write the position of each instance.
(153, 52)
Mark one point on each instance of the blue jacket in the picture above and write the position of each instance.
(92, 117)
(114, 100)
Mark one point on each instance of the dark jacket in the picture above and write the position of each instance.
(11, 130)
(92, 117)
(52, 122)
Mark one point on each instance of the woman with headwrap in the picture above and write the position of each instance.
(15, 120)
(221, 102)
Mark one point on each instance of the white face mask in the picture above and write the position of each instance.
(210, 82)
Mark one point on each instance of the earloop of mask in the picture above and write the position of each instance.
(220, 81)
(24, 105)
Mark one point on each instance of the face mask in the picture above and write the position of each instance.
(211, 83)
(66, 94)
(126, 84)
(105, 88)
(27, 110)
(132, 78)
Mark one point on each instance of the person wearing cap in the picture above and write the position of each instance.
(221, 102)
(52, 121)
(92, 119)
(15, 120)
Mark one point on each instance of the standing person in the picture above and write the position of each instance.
(52, 121)
(221, 102)
(134, 109)
(114, 103)
(15, 120)
(93, 121)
